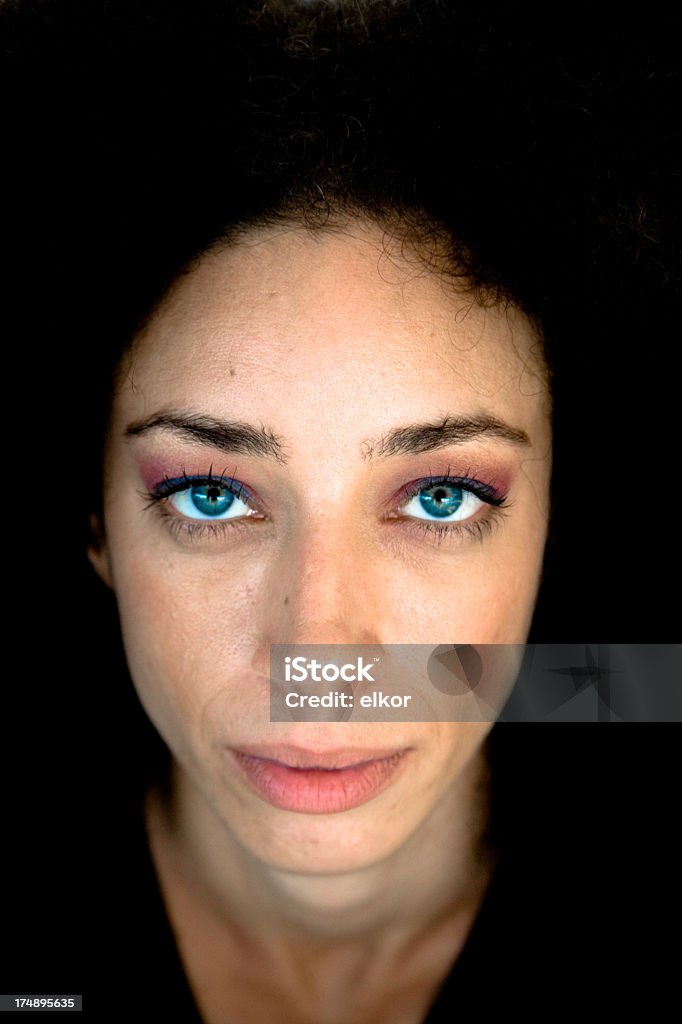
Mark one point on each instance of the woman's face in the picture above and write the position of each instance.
(275, 436)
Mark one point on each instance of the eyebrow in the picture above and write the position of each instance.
(228, 436)
(234, 437)
(426, 437)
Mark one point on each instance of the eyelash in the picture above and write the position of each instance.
(437, 532)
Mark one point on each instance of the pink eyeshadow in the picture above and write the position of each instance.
(483, 470)
(154, 470)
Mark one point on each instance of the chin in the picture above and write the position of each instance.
(320, 844)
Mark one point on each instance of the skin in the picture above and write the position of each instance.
(329, 341)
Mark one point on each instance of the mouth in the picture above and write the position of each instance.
(318, 782)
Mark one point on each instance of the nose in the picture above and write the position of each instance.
(330, 592)
(325, 588)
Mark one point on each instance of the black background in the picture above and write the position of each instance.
(105, 152)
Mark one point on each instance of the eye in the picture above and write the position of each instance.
(211, 500)
(202, 503)
(443, 501)
(449, 507)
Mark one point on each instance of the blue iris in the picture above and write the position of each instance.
(441, 500)
(211, 499)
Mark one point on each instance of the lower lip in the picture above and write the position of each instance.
(318, 790)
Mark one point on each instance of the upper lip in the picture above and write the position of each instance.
(298, 757)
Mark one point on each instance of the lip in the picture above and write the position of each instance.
(317, 782)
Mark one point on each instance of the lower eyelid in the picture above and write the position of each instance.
(476, 526)
(198, 529)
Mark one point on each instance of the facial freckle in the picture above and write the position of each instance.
(286, 600)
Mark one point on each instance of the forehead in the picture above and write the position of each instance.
(345, 307)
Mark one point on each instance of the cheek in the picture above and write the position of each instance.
(184, 639)
(488, 597)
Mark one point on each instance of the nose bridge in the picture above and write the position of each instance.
(327, 593)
